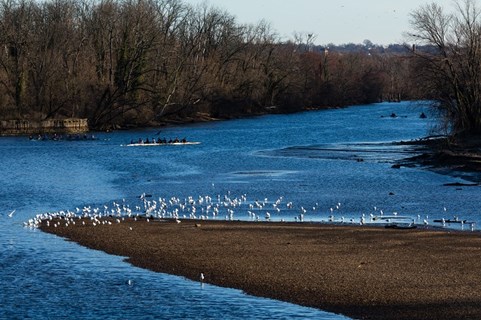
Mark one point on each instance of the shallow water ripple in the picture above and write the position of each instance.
(308, 158)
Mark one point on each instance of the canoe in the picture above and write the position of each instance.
(391, 218)
(449, 221)
(400, 226)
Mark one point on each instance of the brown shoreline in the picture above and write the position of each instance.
(452, 158)
(361, 272)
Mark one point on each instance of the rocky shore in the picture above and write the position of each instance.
(456, 158)
(362, 272)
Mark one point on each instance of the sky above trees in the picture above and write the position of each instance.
(338, 22)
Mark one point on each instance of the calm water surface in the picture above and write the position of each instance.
(310, 159)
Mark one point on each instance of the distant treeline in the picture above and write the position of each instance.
(136, 63)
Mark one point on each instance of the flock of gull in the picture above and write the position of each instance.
(226, 207)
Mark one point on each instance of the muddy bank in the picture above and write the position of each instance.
(362, 272)
(455, 158)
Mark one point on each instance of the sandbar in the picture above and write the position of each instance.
(362, 272)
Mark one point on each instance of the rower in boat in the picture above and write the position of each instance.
(161, 142)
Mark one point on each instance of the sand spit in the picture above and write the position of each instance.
(362, 272)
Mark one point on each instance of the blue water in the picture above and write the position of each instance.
(311, 159)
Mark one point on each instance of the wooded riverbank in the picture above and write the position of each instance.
(131, 64)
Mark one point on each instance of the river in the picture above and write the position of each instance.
(337, 159)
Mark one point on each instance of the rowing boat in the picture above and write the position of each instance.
(188, 143)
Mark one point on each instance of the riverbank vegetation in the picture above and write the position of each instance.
(450, 72)
(136, 63)
(140, 63)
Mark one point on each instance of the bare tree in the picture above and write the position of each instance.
(143, 62)
(452, 69)
(15, 37)
(124, 37)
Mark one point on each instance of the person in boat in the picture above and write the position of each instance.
(159, 140)
(140, 141)
(422, 116)
(170, 140)
(147, 141)
(184, 140)
(176, 140)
